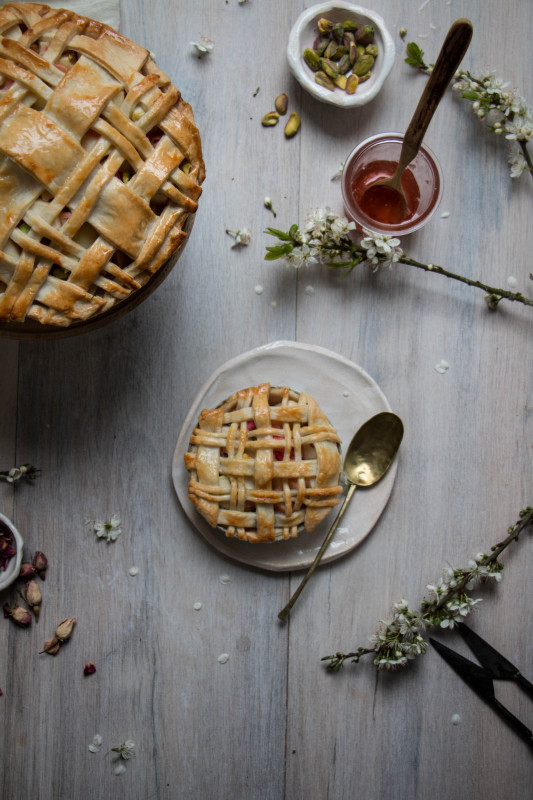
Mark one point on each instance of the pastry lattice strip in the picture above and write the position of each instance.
(95, 195)
(264, 464)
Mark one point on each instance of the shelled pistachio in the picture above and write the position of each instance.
(342, 56)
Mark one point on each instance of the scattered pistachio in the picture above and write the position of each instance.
(341, 81)
(363, 64)
(324, 26)
(89, 668)
(256, 92)
(341, 49)
(312, 59)
(364, 34)
(322, 79)
(270, 119)
(293, 125)
(403, 33)
(352, 83)
(281, 103)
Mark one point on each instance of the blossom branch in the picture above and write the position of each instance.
(399, 638)
(327, 238)
(504, 111)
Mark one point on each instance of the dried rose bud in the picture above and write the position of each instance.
(27, 570)
(33, 597)
(51, 646)
(18, 614)
(40, 562)
(64, 629)
(89, 669)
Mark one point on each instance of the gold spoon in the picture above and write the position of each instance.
(370, 454)
(389, 191)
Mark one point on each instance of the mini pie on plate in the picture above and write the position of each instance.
(100, 167)
(264, 465)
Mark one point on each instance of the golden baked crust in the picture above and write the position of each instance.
(264, 464)
(100, 166)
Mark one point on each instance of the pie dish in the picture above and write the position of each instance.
(100, 169)
(264, 465)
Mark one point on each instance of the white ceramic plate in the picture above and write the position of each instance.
(346, 394)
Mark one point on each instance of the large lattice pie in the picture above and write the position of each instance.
(100, 166)
(264, 465)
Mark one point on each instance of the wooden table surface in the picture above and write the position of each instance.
(100, 414)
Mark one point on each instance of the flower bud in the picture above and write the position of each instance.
(51, 646)
(40, 562)
(64, 629)
(89, 669)
(18, 614)
(27, 570)
(33, 597)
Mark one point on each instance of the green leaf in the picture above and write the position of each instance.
(285, 237)
(278, 251)
(414, 51)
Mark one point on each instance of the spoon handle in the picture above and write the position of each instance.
(284, 613)
(451, 54)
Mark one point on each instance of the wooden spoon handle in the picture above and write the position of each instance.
(450, 56)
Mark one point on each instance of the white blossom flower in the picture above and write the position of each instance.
(241, 237)
(126, 750)
(516, 160)
(96, 743)
(303, 256)
(203, 47)
(109, 529)
(380, 248)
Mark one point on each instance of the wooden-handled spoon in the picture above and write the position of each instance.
(389, 191)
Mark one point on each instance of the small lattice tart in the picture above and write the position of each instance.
(264, 465)
(100, 166)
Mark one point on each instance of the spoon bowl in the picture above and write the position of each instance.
(369, 456)
(385, 199)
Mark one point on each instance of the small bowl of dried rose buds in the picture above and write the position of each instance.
(11, 547)
(340, 53)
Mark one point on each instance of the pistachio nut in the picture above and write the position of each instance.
(338, 31)
(365, 77)
(293, 125)
(350, 25)
(281, 103)
(329, 67)
(312, 59)
(360, 50)
(363, 64)
(322, 79)
(335, 51)
(270, 119)
(341, 81)
(344, 64)
(352, 83)
(364, 34)
(371, 49)
(324, 26)
(321, 45)
(353, 53)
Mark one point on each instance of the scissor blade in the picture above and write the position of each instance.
(481, 682)
(494, 662)
(475, 676)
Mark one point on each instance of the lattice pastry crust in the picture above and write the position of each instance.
(264, 465)
(100, 166)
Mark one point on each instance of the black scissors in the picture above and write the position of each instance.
(481, 678)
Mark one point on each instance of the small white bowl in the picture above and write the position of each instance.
(304, 32)
(12, 570)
